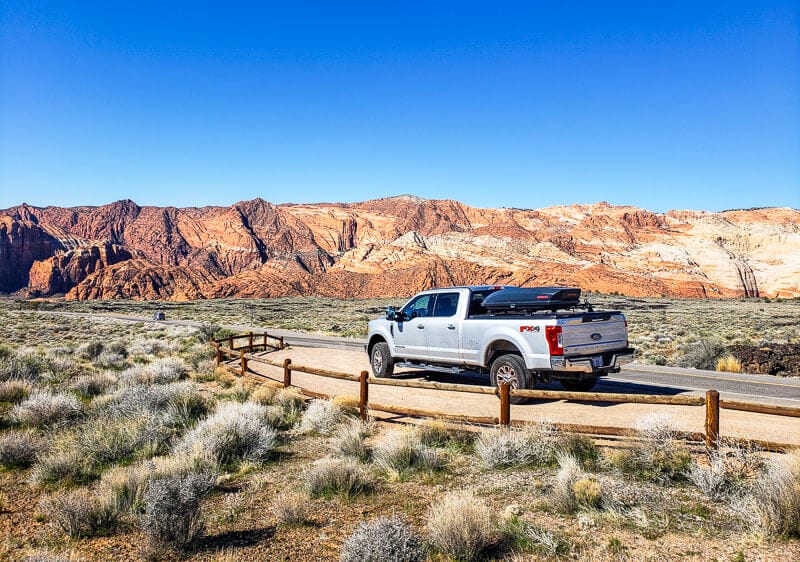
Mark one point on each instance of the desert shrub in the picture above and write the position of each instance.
(729, 364)
(329, 476)
(147, 347)
(349, 440)
(61, 368)
(439, 433)
(110, 360)
(384, 539)
(79, 513)
(536, 539)
(160, 371)
(15, 390)
(401, 452)
(235, 432)
(573, 488)
(771, 505)
(289, 399)
(290, 508)
(117, 346)
(264, 395)
(208, 330)
(462, 526)
(657, 455)
(534, 444)
(240, 392)
(702, 354)
(172, 517)
(5, 351)
(727, 470)
(198, 354)
(61, 466)
(579, 446)
(322, 417)
(20, 449)
(90, 386)
(90, 350)
(126, 485)
(23, 365)
(147, 399)
(80, 455)
(44, 408)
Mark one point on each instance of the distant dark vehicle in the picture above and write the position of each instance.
(159, 316)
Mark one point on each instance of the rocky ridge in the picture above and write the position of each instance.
(392, 247)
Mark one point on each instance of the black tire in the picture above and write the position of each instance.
(511, 367)
(584, 385)
(381, 360)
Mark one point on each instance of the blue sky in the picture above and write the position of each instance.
(515, 104)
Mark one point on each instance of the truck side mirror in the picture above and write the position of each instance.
(391, 314)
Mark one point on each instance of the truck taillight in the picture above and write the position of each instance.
(555, 339)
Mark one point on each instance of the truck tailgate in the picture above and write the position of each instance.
(594, 333)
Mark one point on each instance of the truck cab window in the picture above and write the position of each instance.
(418, 307)
(446, 304)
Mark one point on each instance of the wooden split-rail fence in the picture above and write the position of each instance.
(241, 348)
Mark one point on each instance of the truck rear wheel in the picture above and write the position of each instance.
(381, 360)
(584, 385)
(511, 368)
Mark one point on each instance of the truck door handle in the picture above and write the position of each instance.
(451, 327)
(420, 327)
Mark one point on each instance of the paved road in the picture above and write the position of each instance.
(634, 378)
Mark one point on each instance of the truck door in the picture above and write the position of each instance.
(410, 340)
(442, 329)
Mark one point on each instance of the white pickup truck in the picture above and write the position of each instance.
(518, 335)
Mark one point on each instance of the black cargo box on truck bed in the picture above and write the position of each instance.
(532, 298)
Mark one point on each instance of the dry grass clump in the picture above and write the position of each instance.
(349, 440)
(90, 386)
(264, 394)
(240, 392)
(702, 354)
(126, 485)
(172, 517)
(235, 432)
(110, 360)
(573, 488)
(90, 350)
(24, 364)
(321, 417)
(81, 454)
(330, 477)
(533, 444)
(290, 508)
(727, 470)
(401, 451)
(771, 505)
(45, 408)
(440, 433)
(79, 513)
(348, 404)
(382, 539)
(658, 455)
(147, 347)
(160, 371)
(15, 391)
(20, 449)
(462, 526)
(729, 364)
(178, 398)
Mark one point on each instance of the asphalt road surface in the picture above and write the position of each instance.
(634, 378)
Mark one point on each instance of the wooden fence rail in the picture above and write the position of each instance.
(711, 436)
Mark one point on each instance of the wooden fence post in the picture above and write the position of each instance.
(287, 372)
(219, 355)
(363, 399)
(712, 419)
(282, 344)
(250, 342)
(265, 341)
(243, 362)
(505, 403)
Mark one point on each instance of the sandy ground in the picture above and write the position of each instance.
(687, 418)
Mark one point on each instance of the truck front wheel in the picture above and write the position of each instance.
(381, 360)
(511, 368)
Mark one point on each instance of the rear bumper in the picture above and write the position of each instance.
(609, 362)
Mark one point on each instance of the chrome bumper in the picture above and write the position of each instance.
(593, 363)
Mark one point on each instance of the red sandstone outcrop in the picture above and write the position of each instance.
(393, 247)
